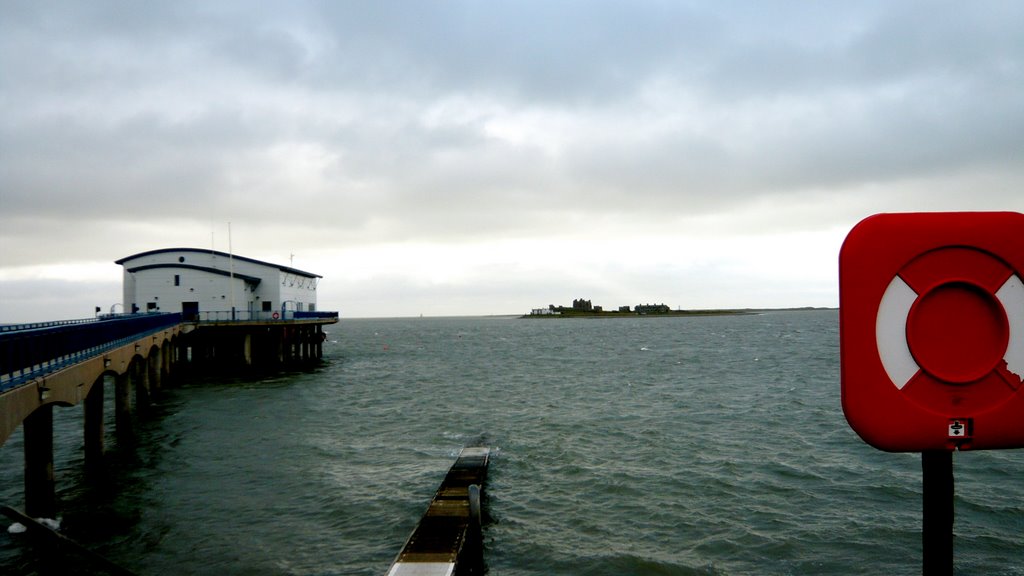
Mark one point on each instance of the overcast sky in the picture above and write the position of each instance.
(447, 158)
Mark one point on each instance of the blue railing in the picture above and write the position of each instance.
(28, 352)
(221, 316)
(37, 325)
(314, 315)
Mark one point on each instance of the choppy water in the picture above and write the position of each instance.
(672, 446)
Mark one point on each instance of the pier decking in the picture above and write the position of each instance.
(448, 538)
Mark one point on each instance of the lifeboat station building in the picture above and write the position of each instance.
(211, 285)
(237, 307)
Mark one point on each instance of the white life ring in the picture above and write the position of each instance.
(891, 329)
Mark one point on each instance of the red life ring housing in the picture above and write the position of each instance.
(931, 330)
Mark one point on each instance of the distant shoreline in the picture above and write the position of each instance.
(671, 313)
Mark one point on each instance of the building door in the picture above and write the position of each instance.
(190, 311)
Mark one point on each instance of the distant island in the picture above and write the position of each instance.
(582, 308)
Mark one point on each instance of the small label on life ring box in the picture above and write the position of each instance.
(960, 428)
(931, 330)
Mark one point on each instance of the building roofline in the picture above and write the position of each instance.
(287, 269)
(250, 279)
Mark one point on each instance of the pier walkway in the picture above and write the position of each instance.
(447, 540)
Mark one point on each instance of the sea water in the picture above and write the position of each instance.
(664, 446)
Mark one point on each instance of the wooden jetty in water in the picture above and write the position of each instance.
(447, 541)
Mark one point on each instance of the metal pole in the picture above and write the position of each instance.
(231, 268)
(937, 534)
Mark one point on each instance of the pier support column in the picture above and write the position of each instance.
(179, 355)
(174, 358)
(140, 378)
(123, 406)
(40, 489)
(287, 345)
(165, 363)
(171, 355)
(319, 342)
(154, 372)
(93, 406)
(247, 348)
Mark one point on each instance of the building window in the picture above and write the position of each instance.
(267, 305)
(177, 280)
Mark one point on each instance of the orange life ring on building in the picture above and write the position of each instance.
(275, 315)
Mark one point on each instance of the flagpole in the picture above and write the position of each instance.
(231, 271)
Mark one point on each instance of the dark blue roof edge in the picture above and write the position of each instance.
(288, 269)
(250, 279)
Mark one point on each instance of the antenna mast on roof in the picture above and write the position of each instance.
(231, 271)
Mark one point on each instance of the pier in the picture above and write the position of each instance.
(202, 309)
(447, 541)
(67, 363)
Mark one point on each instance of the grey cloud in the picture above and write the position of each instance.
(182, 110)
(46, 300)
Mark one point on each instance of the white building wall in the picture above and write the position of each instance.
(128, 290)
(155, 290)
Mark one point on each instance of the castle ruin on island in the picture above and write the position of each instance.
(581, 306)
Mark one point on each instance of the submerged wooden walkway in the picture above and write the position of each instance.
(447, 540)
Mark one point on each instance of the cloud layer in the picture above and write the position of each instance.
(516, 148)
